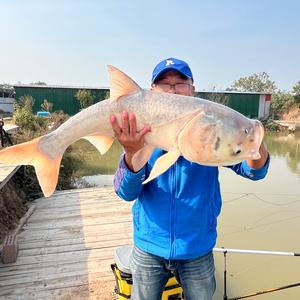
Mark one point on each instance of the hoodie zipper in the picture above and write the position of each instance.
(173, 202)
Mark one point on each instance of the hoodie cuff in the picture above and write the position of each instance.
(131, 174)
(256, 174)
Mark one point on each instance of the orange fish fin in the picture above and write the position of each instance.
(121, 84)
(29, 153)
(162, 164)
(102, 143)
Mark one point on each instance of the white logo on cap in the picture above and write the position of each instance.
(169, 62)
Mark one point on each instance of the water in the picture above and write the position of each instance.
(262, 215)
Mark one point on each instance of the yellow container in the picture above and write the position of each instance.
(124, 284)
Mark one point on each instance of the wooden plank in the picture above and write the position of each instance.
(47, 268)
(79, 213)
(102, 219)
(75, 247)
(78, 199)
(98, 290)
(89, 204)
(74, 232)
(55, 272)
(67, 246)
(84, 241)
(67, 256)
(6, 172)
(56, 281)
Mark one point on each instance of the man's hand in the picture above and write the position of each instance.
(256, 164)
(128, 136)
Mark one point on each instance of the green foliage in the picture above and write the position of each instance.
(281, 102)
(106, 95)
(270, 125)
(23, 115)
(296, 88)
(85, 98)
(47, 106)
(296, 91)
(25, 102)
(258, 82)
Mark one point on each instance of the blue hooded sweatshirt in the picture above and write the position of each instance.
(175, 215)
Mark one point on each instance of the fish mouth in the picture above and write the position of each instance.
(258, 138)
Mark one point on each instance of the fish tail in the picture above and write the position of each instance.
(29, 153)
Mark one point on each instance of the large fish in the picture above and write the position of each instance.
(202, 131)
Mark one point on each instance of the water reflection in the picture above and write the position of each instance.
(287, 146)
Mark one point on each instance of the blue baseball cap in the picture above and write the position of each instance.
(172, 64)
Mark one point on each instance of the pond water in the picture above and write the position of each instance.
(262, 215)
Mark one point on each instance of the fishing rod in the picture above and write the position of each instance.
(261, 252)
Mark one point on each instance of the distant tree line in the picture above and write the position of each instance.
(282, 101)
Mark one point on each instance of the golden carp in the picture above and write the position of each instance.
(200, 130)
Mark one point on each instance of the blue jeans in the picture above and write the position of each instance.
(150, 274)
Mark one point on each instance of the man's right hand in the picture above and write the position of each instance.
(128, 136)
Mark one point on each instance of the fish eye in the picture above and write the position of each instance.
(246, 130)
(236, 152)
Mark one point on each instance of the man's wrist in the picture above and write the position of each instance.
(128, 160)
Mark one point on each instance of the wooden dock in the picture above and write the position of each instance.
(67, 246)
(6, 172)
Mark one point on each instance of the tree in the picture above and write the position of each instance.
(281, 102)
(296, 91)
(85, 98)
(6, 90)
(258, 82)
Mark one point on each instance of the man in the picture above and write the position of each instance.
(175, 215)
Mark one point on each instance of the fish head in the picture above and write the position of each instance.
(219, 140)
(242, 140)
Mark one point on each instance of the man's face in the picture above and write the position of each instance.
(172, 82)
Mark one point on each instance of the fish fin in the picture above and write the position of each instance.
(102, 143)
(163, 164)
(121, 84)
(29, 153)
(141, 157)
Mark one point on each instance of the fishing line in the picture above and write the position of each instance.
(265, 201)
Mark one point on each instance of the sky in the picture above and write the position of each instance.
(71, 42)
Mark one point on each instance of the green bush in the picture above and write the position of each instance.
(85, 98)
(47, 106)
(23, 115)
(270, 125)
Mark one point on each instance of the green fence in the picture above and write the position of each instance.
(62, 98)
(246, 104)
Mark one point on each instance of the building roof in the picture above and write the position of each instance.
(236, 92)
(107, 88)
(60, 86)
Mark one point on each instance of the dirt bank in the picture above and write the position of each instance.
(12, 207)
